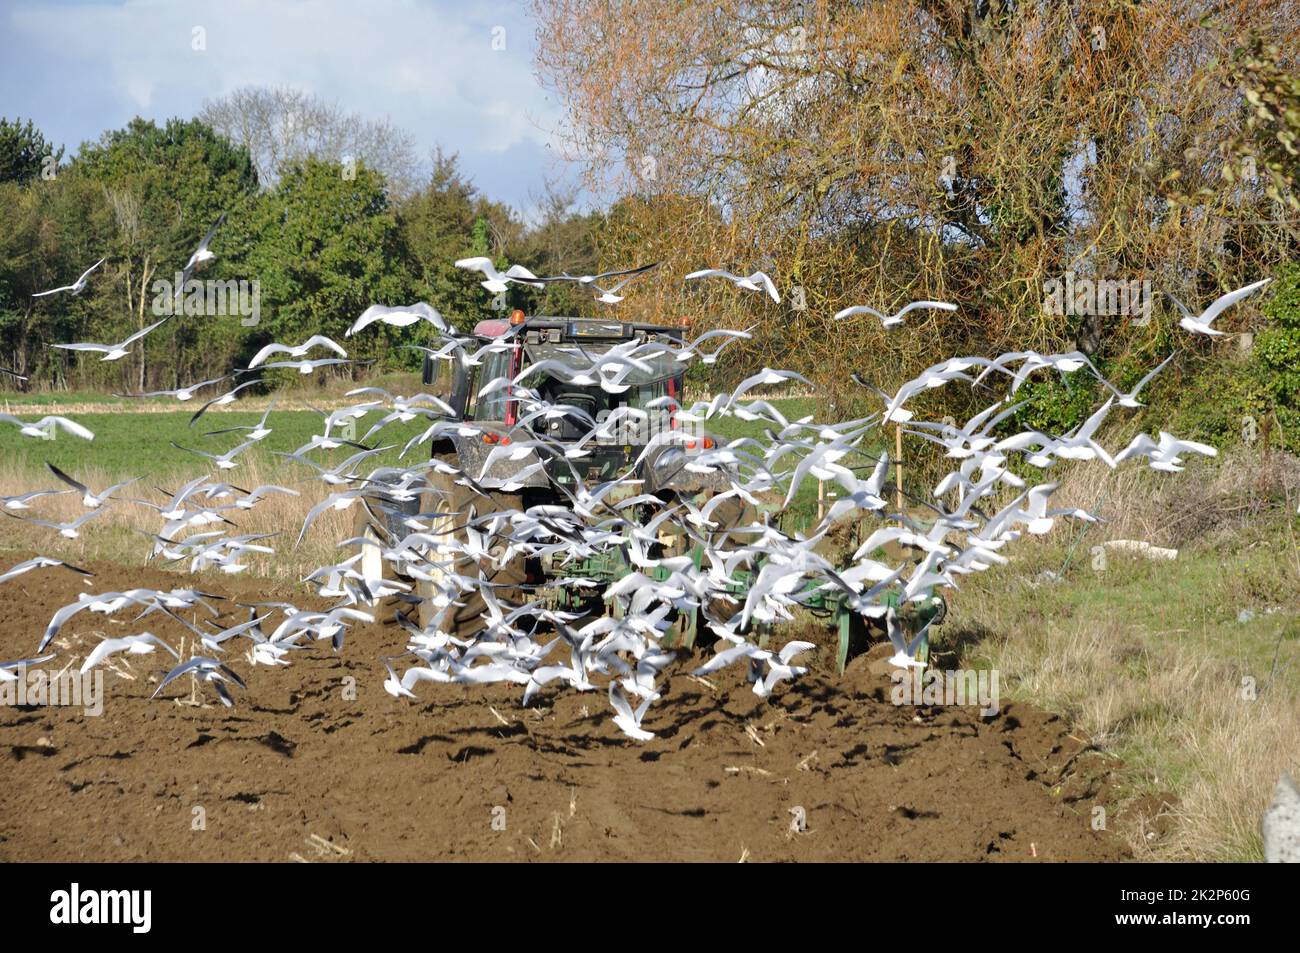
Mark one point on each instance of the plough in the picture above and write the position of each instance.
(854, 630)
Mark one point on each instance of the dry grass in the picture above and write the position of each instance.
(118, 535)
(1153, 660)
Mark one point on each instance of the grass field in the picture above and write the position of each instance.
(1188, 670)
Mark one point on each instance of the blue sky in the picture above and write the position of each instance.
(79, 68)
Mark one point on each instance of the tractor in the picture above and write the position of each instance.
(493, 420)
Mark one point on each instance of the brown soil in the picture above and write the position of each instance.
(298, 771)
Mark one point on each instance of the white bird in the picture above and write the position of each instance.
(627, 720)
(70, 529)
(894, 320)
(142, 644)
(1129, 398)
(299, 350)
(88, 498)
(200, 256)
(398, 317)
(20, 500)
(904, 651)
(208, 670)
(758, 281)
(112, 352)
(227, 398)
(44, 428)
(256, 432)
(1200, 324)
(77, 286)
(496, 282)
(6, 668)
(224, 461)
(181, 393)
(41, 562)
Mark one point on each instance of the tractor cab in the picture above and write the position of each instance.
(564, 349)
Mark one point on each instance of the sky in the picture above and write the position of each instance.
(430, 66)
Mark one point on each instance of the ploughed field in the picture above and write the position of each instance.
(317, 762)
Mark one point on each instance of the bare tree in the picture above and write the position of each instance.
(281, 125)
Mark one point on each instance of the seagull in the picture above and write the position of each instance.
(77, 286)
(44, 428)
(200, 256)
(298, 351)
(227, 398)
(180, 393)
(41, 562)
(758, 281)
(224, 461)
(6, 668)
(305, 366)
(904, 651)
(399, 317)
(1166, 453)
(1129, 399)
(89, 499)
(142, 644)
(208, 670)
(627, 720)
(70, 529)
(894, 320)
(496, 281)
(112, 352)
(19, 502)
(1201, 324)
(255, 432)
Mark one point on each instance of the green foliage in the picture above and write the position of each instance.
(1276, 357)
(1055, 403)
(23, 151)
(325, 245)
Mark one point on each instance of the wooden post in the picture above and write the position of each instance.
(898, 465)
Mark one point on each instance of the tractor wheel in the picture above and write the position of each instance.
(447, 505)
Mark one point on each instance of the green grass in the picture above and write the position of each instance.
(1154, 661)
(140, 444)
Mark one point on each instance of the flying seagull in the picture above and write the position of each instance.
(758, 281)
(88, 499)
(40, 562)
(180, 393)
(894, 320)
(77, 286)
(142, 644)
(297, 351)
(201, 255)
(1201, 324)
(399, 317)
(46, 425)
(112, 352)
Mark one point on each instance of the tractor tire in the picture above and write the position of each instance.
(449, 504)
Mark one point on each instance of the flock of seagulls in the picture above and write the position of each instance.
(752, 572)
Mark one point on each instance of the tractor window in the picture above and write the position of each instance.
(492, 406)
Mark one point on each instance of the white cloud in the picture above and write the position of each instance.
(428, 66)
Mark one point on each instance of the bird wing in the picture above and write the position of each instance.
(141, 333)
(65, 478)
(71, 426)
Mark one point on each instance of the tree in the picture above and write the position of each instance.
(281, 126)
(874, 153)
(165, 187)
(24, 152)
(325, 245)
